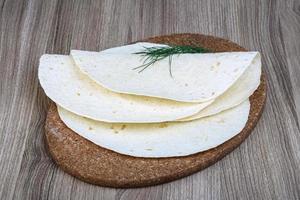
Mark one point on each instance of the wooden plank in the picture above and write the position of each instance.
(266, 166)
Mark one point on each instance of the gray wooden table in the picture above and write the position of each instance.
(265, 166)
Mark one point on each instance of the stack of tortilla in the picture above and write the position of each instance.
(102, 98)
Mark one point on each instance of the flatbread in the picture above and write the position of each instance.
(241, 90)
(68, 87)
(196, 77)
(162, 139)
(236, 94)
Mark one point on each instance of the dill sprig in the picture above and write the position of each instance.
(152, 55)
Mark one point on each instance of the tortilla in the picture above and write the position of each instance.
(236, 94)
(68, 87)
(162, 139)
(196, 77)
(241, 90)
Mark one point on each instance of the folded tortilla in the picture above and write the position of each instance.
(63, 82)
(236, 94)
(162, 139)
(196, 77)
(241, 90)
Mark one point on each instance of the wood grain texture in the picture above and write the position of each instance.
(265, 166)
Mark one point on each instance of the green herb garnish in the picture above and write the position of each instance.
(154, 54)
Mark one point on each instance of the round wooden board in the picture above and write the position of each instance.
(93, 164)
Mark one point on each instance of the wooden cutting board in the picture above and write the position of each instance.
(93, 164)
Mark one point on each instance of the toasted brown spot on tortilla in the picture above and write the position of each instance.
(123, 127)
(163, 125)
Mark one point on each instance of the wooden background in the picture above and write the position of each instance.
(265, 166)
